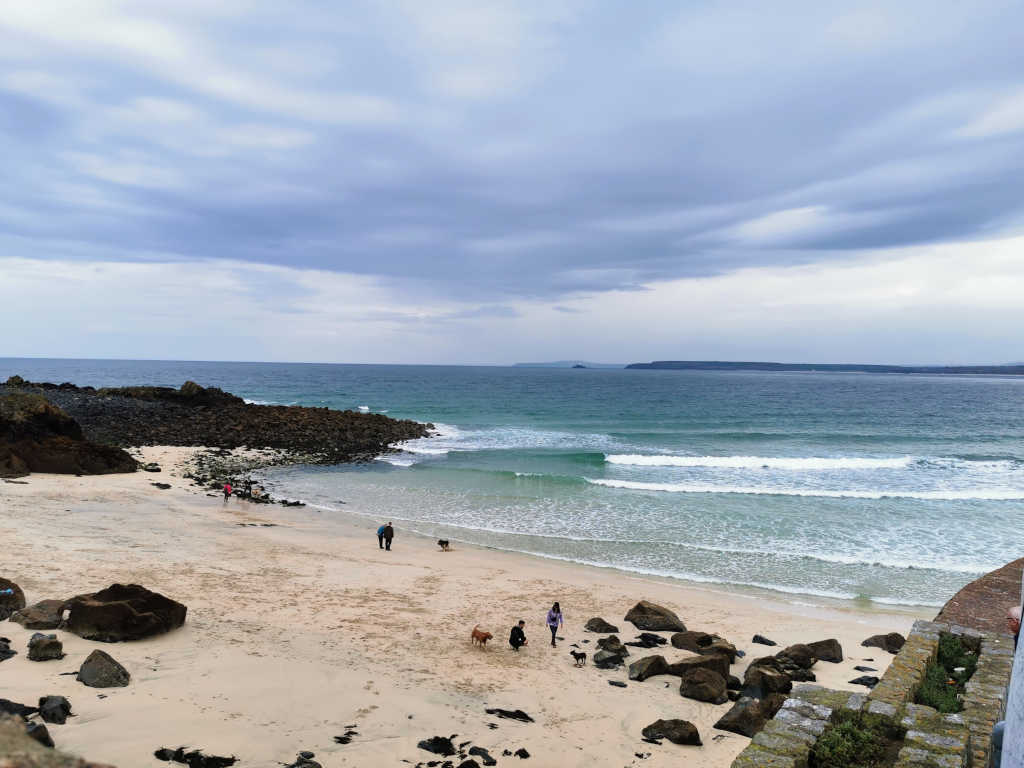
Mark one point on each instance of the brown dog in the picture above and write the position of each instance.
(479, 637)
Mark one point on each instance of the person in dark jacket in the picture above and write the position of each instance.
(517, 638)
(389, 534)
(380, 536)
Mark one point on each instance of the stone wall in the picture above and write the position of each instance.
(932, 740)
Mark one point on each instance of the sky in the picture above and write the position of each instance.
(491, 182)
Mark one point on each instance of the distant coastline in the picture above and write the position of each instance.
(716, 365)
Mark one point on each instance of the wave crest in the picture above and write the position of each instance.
(758, 462)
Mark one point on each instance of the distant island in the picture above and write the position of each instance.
(570, 364)
(718, 365)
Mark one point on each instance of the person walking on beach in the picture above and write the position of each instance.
(380, 535)
(389, 534)
(554, 621)
(517, 637)
(227, 491)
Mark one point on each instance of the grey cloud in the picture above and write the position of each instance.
(523, 150)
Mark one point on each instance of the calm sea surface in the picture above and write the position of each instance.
(889, 488)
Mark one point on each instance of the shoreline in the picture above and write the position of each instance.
(298, 630)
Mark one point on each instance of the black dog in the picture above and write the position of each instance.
(581, 658)
(443, 544)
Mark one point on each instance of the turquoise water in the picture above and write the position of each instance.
(893, 488)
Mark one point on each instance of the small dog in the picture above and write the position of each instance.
(581, 658)
(443, 544)
(478, 637)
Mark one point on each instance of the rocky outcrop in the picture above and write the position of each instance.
(19, 750)
(37, 436)
(891, 642)
(654, 618)
(704, 644)
(676, 731)
(649, 666)
(715, 662)
(194, 415)
(597, 624)
(827, 650)
(46, 614)
(101, 670)
(123, 612)
(748, 715)
(11, 598)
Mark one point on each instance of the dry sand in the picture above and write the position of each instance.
(296, 631)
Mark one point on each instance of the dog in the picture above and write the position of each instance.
(581, 658)
(443, 544)
(477, 637)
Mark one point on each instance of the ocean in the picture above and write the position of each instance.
(890, 489)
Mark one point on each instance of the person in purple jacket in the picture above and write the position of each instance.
(554, 621)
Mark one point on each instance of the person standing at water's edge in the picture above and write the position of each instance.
(554, 621)
(380, 535)
(227, 490)
(389, 534)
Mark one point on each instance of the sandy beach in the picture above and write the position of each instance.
(298, 631)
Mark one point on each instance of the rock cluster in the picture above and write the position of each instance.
(194, 415)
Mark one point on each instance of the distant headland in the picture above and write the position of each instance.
(718, 365)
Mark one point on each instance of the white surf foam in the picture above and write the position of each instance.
(397, 461)
(364, 409)
(980, 494)
(258, 402)
(759, 462)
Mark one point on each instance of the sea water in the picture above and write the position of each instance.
(890, 488)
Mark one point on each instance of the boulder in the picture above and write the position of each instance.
(748, 715)
(8, 707)
(438, 745)
(869, 681)
(891, 642)
(827, 650)
(715, 662)
(100, 670)
(11, 598)
(37, 436)
(799, 655)
(5, 649)
(762, 680)
(704, 685)
(46, 614)
(655, 618)
(123, 612)
(598, 624)
(733, 683)
(483, 754)
(704, 644)
(54, 709)
(612, 644)
(648, 666)
(762, 640)
(45, 647)
(607, 660)
(676, 731)
(37, 732)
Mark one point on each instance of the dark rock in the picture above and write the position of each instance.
(716, 663)
(438, 745)
(607, 660)
(654, 617)
(677, 731)
(763, 680)
(612, 644)
(483, 754)
(38, 732)
(44, 647)
(867, 680)
(861, 668)
(196, 759)
(617, 683)
(733, 683)
(46, 614)
(5, 649)
(704, 685)
(762, 640)
(648, 666)
(704, 644)
(11, 597)
(54, 709)
(891, 642)
(748, 715)
(521, 753)
(100, 670)
(123, 612)
(511, 714)
(798, 655)
(598, 624)
(469, 764)
(161, 486)
(37, 436)
(827, 650)
(14, 708)
(802, 676)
